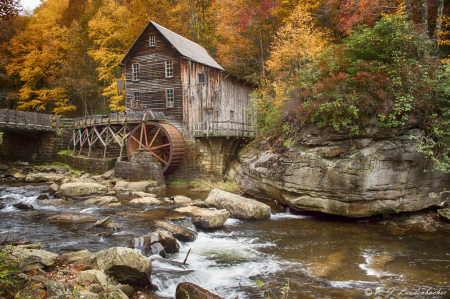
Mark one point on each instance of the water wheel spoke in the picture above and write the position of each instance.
(138, 142)
(145, 134)
(159, 158)
(160, 146)
(154, 137)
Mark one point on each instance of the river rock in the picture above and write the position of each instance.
(43, 177)
(32, 259)
(108, 175)
(444, 213)
(155, 248)
(199, 203)
(92, 276)
(53, 188)
(43, 196)
(23, 206)
(2, 206)
(187, 290)
(238, 206)
(410, 224)
(72, 218)
(181, 233)
(143, 186)
(127, 290)
(19, 176)
(125, 264)
(205, 217)
(81, 189)
(179, 199)
(145, 201)
(100, 201)
(335, 173)
(77, 257)
(3, 167)
(55, 289)
(108, 223)
(142, 194)
(166, 239)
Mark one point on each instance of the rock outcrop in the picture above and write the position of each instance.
(332, 173)
(238, 206)
(32, 259)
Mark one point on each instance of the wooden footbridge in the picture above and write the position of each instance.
(22, 121)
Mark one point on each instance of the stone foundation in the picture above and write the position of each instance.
(140, 168)
(206, 158)
(90, 165)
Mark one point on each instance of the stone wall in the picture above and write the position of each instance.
(33, 148)
(140, 168)
(206, 158)
(90, 165)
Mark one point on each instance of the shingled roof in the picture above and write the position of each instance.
(186, 47)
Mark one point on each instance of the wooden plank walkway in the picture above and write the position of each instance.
(121, 118)
(222, 129)
(14, 120)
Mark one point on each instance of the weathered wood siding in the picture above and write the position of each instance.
(201, 101)
(153, 82)
(213, 100)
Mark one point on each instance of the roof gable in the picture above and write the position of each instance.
(185, 47)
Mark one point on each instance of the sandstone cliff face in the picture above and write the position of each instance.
(328, 172)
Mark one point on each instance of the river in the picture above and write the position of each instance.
(318, 255)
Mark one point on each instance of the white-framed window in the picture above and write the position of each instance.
(137, 100)
(231, 114)
(135, 71)
(169, 68)
(152, 41)
(169, 98)
(201, 78)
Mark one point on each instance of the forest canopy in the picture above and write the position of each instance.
(344, 63)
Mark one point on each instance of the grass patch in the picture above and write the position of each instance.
(207, 185)
(178, 183)
(66, 152)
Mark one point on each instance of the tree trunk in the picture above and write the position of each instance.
(408, 10)
(424, 7)
(437, 30)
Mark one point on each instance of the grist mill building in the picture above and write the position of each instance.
(168, 73)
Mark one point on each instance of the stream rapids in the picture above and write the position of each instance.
(318, 255)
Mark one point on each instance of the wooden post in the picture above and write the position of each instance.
(228, 129)
(193, 129)
(57, 123)
(106, 142)
(6, 117)
(207, 130)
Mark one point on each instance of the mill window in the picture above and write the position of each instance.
(152, 40)
(135, 71)
(169, 98)
(137, 100)
(201, 79)
(169, 68)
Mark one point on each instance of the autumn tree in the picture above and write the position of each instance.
(9, 9)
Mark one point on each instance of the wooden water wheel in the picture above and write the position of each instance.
(164, 141)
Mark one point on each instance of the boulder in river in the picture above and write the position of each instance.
(53, 188)
(2, 206)
(81, 189)
(179, 199)
(43, 196)
(145, 201)
(181, 233)
(205, 217)
(100, 201)
(166, 239)
(43, 177)
(23, 206)
(124, 264)
(239, 206)
(186, 290)
(107, 222)
(76, 257)
(142, 194)
(72, 218)
(445, 213)
(155, 248)
(143, 186)
(32, 259)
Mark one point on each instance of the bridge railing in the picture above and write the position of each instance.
(222, 129)
(23, 120)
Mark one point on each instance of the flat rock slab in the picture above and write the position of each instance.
(100, 201)
(43, 177)
(72, 218)
(81, 189)
(145, 201)
(143, 186)
(239, 206)
(205, 217)
(76, 257)
(142, 194)
(32, 259)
